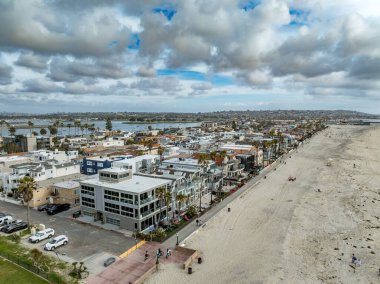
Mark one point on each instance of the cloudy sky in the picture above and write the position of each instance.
(193, 55)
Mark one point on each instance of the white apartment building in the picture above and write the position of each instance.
(118, 197)
(59, 156)
(145, 163)
(40, 171)
(110, 142)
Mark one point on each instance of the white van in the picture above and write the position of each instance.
(5, 220)
(41, 235)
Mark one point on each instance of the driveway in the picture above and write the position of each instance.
(84, 240)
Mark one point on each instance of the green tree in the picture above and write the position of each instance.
(26, 187)
(30, 124)
(43, 131)
(160, 151)
(108, 124)
(203, 161)
(12, 130)
(167, 198)
(180, 199)
(160, 193)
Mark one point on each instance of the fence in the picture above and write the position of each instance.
(50, 277)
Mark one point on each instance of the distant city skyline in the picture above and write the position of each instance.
(189, 56)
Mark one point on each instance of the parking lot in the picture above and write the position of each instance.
(85, 241)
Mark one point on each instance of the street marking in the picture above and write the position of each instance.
(132, 249)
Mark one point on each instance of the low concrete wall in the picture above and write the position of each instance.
(193, 254)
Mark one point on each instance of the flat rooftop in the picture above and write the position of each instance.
(180, 161)
(67, 184)
(137, 184)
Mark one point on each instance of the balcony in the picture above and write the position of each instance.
(146, 200)
(146, 213)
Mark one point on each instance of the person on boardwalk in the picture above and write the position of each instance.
(168, 252)
(197, 221)
(146, 255)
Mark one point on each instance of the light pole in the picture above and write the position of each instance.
(177, 239)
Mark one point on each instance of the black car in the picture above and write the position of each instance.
(2, 228)
(45, 207)
(109, 261)
(16, 227)
(58, 208)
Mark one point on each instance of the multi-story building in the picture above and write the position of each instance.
(91, 165)
(144, 163)
(59, 156)
(66, 192)
(118, 197)
(39, 171)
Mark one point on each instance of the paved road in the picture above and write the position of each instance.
(84, 240)
(192, 227)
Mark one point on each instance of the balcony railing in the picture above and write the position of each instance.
(146, 213)
(146, 200)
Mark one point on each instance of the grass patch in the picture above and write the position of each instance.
(11, 273)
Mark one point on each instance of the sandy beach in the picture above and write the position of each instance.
(288, 232)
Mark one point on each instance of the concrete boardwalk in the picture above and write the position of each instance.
(134, 269)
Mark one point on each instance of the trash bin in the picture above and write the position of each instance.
(190, 270)
(76, 214)
(199, 260)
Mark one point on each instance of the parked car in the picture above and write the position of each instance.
(44, 207)
(5, 220)
(109, 261)
(56, 242)
(3, 227)
(16, 227)
(58, 208)
(41, 235)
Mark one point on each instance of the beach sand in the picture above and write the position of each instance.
(288, 232)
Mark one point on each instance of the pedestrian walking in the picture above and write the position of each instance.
(197, 221)
(168, 253)
(146, 255)
(353, 259)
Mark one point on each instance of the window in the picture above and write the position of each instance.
(89, 163)
(114, 176)
(111, 195)
(88, 190)
(89, 202)
(89, 170)
(110, 207)
(126, 211)
(126, 198)
(100, 165)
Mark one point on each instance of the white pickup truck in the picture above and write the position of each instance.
(41, 235)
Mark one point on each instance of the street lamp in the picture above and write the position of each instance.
(177, 239)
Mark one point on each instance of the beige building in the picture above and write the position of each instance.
(66, 192)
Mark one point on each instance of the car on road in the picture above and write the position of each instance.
(41, 235)
(16, 227)
(44, 207)
(5, 220)
(109, 261)
(56, 242)
(57, 208)
(3, 227)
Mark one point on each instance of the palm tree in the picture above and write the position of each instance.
(30, 124)
(180, 199)
(160, 151)
(26, 187)
(160, 192)
(43, 131)
(167, 198)
(12, 130)
(69, 125)
(202, 160)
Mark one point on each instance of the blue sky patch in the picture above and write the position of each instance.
(135, 41)
(249, 5)
(216, 80)
(299, 17)
(166, 11)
